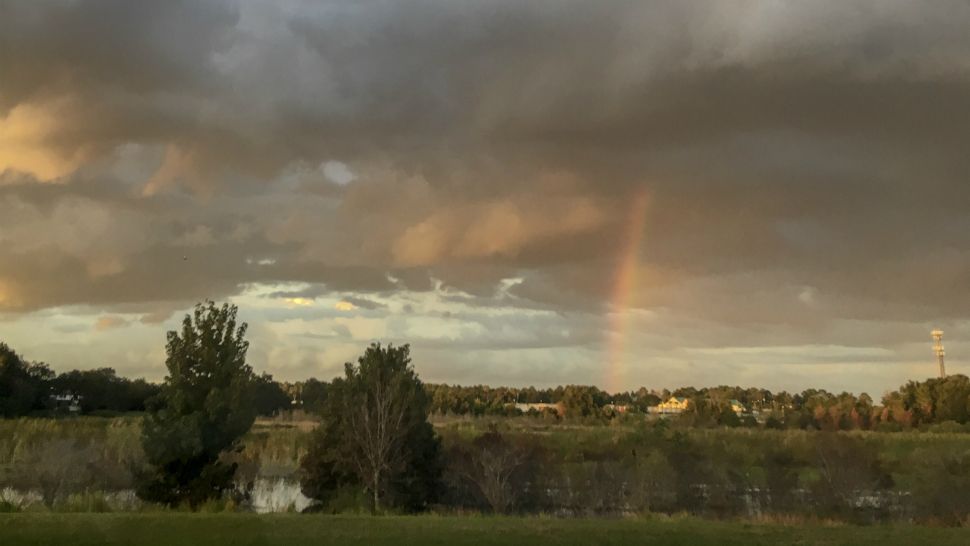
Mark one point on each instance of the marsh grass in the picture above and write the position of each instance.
(97, 457)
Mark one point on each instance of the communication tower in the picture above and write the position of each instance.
(938, 350)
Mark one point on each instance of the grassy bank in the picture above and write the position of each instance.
(241, 529)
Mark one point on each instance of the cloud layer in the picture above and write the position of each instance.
(804, 165)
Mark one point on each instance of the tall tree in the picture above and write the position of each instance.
(385, 401)
(376, 432)
(204, 407)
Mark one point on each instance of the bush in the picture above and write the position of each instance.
(942, 492)
(889, 426)
(948, 427)
(56, 468)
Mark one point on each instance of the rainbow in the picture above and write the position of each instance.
(624, 288)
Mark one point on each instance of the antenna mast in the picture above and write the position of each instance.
(938, 350)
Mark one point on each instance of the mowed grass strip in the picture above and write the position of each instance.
(289, 529)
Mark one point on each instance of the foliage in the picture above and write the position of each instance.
(103, 390)
(934, 400)
(580, 469)
(268, 396)
(495, 465)
(849, 471)
(917, 404)
(313, 395)
(56, 468)
(375, 433)
(23, 386)
(26, 388)
(580, 401)
(203, 409)
(942, 490)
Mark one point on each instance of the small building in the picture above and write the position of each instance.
(737, 407)
(674, 404)
(616, 408)
(66, 401)
(540, 407)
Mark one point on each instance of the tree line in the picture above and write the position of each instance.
(916, 404)
(33, 389)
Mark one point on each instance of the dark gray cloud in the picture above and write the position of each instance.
(804, 162)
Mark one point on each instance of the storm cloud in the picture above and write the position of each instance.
(803, 165)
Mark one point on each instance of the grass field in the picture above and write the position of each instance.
(247, 529)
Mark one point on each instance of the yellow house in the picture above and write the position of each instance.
(675, 404)
(737, 407)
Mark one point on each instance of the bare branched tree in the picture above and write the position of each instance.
(849, 469)
(375, 434)
(380, 423)
(491, 465)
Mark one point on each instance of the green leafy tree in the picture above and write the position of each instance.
(313, 395)
(951, 398)
(204, 407)
(23, 386)
(727, 417)
(103, 390)
(579, 401)
(375, 433)
(269, 396)
(935, 400)
(700, 412)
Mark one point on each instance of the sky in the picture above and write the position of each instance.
(655, 193)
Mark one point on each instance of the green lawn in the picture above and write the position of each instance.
(292, 530)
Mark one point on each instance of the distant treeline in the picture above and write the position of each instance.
(32, 388)
(914, 404)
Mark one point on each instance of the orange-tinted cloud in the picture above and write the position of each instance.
(28, 134)
(501, 228)
(110, 322)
